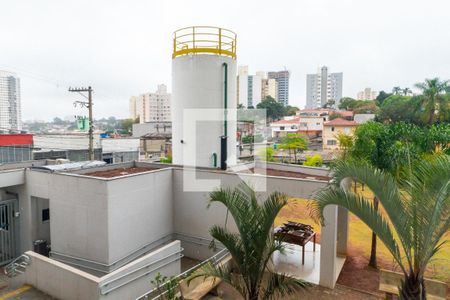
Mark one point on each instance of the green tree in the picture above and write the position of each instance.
(347, 103)
(366, 107)
(252, 247)
(127, 124)
(381, 96)
(290, 110)
(330, 104)
(396, 90)
(398, 108)
(294, 142)
(416, 218)
(433, 90)
(406, 91)
(274, 109)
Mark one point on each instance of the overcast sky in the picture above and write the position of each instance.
(123, 48)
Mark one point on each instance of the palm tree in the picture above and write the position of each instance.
(396, 90)
(406, 91)
(251, 248)
(345, 142)
(417, 213)
(432, 90)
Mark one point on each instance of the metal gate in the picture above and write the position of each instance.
(7, 231)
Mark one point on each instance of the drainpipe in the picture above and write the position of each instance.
(214, 156)
(223, 139)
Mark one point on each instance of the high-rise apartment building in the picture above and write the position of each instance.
(269, 88)
(282, 80)
(10, 108)
(323, 87)
(249, 87)
(367, 94)
(151, 107)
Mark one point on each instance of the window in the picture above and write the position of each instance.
(331, 142)
(45, 214)
(281, 127)
(332, 128)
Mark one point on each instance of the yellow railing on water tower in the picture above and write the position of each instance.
(204, 39)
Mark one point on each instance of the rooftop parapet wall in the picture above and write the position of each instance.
(129, 282)
(313, 171)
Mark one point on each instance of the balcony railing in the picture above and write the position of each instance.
(204, 39)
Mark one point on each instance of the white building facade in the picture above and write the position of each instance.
(10, 106)
(152, 107)
(323, 87)
(367, 94)
(250, 87)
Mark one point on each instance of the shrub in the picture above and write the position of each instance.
(166, 160)
(314, 161)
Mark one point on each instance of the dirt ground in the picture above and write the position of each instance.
(119, 172)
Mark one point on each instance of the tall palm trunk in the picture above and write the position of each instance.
(413, 288)
(431, 117)
(373, 249)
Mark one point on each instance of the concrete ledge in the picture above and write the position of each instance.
(12, 177)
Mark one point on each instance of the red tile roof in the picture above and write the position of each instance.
(345, 113)
(340, 122)
(292, 121)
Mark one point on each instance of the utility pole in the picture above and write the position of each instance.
(88, 105)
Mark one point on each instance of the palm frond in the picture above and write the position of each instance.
(429, 192)
(279, 286)
(362, 209)
(231, 241)
(384, 187)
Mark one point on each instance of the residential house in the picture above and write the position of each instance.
(333, 128)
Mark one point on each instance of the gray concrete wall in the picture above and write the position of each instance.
(139, 211)
(78, 213)
(79, 217)
(12, 177)
(193, 218)
(57, 279)
(165, 260)
(129, 282)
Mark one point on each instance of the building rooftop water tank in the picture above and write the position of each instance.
(204, 97)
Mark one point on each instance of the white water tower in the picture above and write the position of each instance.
(204, 77)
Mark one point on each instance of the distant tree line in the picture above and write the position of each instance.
(432, 106)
